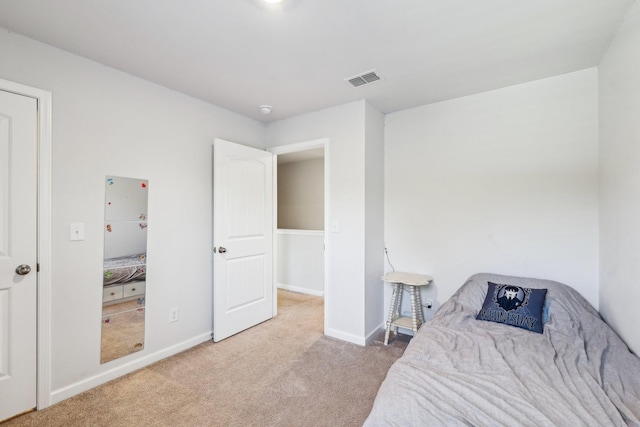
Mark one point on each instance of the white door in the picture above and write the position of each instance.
(242, 238)
(18, 196)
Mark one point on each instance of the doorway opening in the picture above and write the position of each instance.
(301, 218)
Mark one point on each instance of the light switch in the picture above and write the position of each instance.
(77, 231)
(335, 226)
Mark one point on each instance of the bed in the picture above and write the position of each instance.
(462, 371)
(124, 269)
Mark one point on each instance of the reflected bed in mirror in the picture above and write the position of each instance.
(125, 267)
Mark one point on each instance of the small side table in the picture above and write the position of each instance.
(395, 318)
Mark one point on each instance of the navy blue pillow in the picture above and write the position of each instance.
(514, 305)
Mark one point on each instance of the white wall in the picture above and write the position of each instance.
(301, 261)
(504, 181)
(620, 181)
(344, 127)
(107, 122)
(374, 220)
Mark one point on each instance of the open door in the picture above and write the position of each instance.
(242, 237)
(18, 252)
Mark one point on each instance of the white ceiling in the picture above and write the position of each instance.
(240, 54)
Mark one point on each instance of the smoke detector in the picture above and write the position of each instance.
(265, 109)
(364, 78)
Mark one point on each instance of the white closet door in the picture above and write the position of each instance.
(18, 256)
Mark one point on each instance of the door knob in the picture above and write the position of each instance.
(23, 269)
(222, 250)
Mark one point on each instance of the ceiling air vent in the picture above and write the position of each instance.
(363, 79)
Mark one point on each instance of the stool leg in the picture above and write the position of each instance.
(420, 308)
(393, 307)
(414, 309)
(398, 309)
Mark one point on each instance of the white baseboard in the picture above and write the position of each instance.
(301, 290)
(118, 371)
(375, 332)
(345, 337)
(363, 341)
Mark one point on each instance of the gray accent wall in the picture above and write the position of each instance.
(301, 195)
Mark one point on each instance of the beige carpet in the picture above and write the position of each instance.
(283, 372)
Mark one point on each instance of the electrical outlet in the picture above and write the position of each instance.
(429, 304)
(173, 314)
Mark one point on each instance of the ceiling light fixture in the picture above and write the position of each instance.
(273, 1)
(265, 109)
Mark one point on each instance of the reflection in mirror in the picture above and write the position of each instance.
(125, 267)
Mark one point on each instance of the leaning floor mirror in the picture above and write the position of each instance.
(125, 267)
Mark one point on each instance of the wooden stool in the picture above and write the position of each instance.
(395, 318)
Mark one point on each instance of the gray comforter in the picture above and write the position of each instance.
(125, 269)
(461, 371)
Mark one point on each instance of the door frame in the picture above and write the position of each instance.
(43, 328)
(292, 148)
